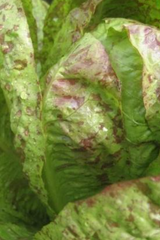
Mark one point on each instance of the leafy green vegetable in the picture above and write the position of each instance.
(91, 112)
(125, 211)
(79, 110)
(22, 93)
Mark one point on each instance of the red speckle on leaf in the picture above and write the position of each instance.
(18, 113)
(114, 225)
(148, 30)
(158, 93)
(150, 78)
(133, 29)
(26, 132)
(15, 27)
(7, 47)
(150, 39)
(1, 39)
(3, 6)
(90, 202)
(72, 101)
(8, 87)
(88, 142)
(63, 86)
(48, 79)
(20, 10)
(130, 218)
(155, 179)
(96, 97)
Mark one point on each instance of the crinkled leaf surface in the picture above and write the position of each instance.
(95, 108)
(88, 16)
(65, 32)
(18, 80)
(39, 13)
(55, 18)
(75, 120)
(128, 211)
(29, 13)
(19, 206)
(99, 122)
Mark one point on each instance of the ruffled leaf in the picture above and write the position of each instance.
(129, 210)
(18, 80)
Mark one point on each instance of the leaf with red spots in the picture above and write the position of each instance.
(128, 210)
(18, 80)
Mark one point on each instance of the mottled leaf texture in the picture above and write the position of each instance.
(28, 9)
(56, 16)
(18, 80)
(93, 122)
(101, 107)
(128, 211)
(62, 30)
(61, 34)
(39, 12)
(17, 201)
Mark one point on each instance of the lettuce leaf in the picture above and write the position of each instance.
(59, 37)
(94, 120)
(98, 107)
(129, 210)
(18, 80)
(60, 34)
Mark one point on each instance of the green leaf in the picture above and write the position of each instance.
(18, 204)
(129, 210)
(130, 65)
(6, 136)
(21, 213)
(81, 115)
(10, 231)
(60, 34)
(61, 31)
(28, 8)
(39, 10)
(145, 11)
(95, 109)
(57, 13)
(18, 80)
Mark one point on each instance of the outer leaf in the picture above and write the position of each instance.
(131, 68)
(87, 17)
(91, 112)
(9, 231)
(19, 82)
(39, 12)
(70, 31)
(81, 115)
(57, 13)
(17, 201)
(137, 110)
(6, 136)
(128, 211)
(21, 213)
(28, 8)
(145, 11)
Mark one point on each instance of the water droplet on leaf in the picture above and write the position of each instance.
(23, 95)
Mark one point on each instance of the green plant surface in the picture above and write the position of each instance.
(79, 120)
